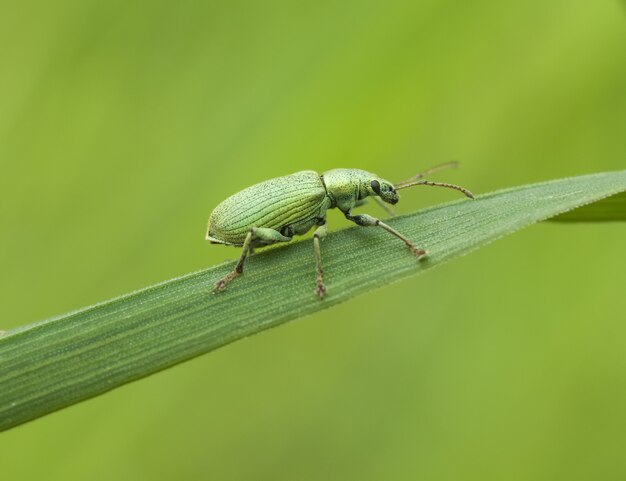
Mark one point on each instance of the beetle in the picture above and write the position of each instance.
(279, 209)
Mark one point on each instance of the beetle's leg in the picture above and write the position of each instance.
(384, 206)
(319, 234)
(268, 236)
(221, 284)
(368, 220)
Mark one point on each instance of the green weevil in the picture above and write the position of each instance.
(278, 209)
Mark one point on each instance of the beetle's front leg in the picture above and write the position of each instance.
(268, 236)
(384, 206)
(368, 220)
(318, 235)
(390, 212)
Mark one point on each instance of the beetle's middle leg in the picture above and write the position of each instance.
(318, 235)
(268, 236)
(368, 220)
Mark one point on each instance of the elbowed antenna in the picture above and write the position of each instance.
(446, 165)
(436, 184)
(414, 180)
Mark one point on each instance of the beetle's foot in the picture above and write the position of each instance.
(320, 289)
(220, 285)
(420, 253)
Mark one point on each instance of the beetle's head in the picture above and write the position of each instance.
(385, 190)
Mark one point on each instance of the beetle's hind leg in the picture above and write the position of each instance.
(267, 236)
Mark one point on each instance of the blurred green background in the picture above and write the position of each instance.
(122, 124)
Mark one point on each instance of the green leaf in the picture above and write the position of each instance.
(58, 362)
(611, 209)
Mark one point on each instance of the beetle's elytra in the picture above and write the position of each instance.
(278, 209)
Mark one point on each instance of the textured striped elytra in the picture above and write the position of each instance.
(274, 203)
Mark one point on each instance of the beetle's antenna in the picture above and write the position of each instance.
(405, 184)
(415, 179)
(446, 165)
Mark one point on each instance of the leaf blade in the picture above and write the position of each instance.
(61, 361)
(609, 209)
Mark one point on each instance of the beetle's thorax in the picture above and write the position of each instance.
(347, 186)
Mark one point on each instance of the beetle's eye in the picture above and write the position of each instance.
(376, 186)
